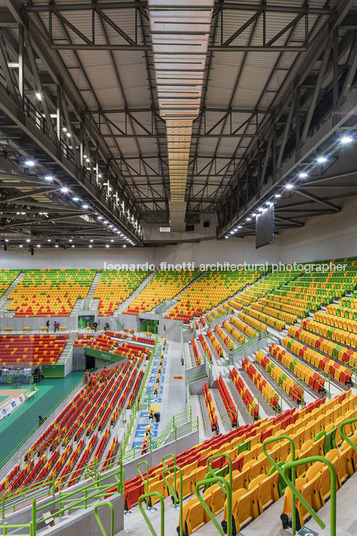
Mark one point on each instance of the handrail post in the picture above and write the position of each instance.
(146, 480)
(178, 499)
(274, 464)
(220, 480)
(146, 496)
(296, 493)
(102, 529)
(33, 518)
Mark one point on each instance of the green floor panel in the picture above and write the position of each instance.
(2, 398)
(20, 423)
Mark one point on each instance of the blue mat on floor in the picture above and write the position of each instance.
(141, 433)
(159, 392)
(144, 415)
(154, 426)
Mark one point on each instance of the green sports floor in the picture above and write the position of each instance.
(20, 423)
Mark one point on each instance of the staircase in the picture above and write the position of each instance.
(67, 349)
(4, 302)
(79, 305)
(125, 304)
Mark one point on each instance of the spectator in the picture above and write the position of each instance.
(48, 324)
(157, 416)
(95, 325)
(40, 420)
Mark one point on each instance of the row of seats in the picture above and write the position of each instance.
(205, 347)
(215, 342)
(224, 338)
(165, 285)
(211, 289)
(196, 354)
(267, 391)
(263, 317)
(260, 326)
(345, 312)
(331, 348)
(285, 381)
(227, 401)
(31, 349)
(247, 330)
(234, 332)
(211, 410)
(247, 397)
(336, 321)
(116, 286)
(336, 334)
(287, 305)
(337, 371)
(311, 378)
(271, 311)
(264, 287)
(46, 293)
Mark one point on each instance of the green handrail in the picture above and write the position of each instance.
(145, 497)
(210, 481)
(176, 499)
(26, 525)
(296, 493)
(344, 435)
(212, 471)
(99, 521)
(279, 469)
(145, 480)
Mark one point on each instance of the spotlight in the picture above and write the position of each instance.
(91, 240)
(85, 206)
(56, 246)
(20, 245)
(112, 240)
(289, 186)
(303, 175)
(68, 134)
(70, 240)
(75, 198)
(64, 129)
(28, 240)
(321, 159)
(29, 163)
(107, 245)
(277, 196)
(73, 246)
(38, 245)
(38, 96)
(239, 227)
(124, 246)
(48, 178)
(232, 232)
(90, 246)
(99, 217)
(65, 190)
(49, 240)
(6, 239)
(345, 140)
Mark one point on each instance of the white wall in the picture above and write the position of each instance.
(323, 237)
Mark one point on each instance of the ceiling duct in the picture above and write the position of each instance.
(180, 34)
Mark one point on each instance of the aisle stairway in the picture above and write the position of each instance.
(66, 350)
(4, 302)
(125, 304)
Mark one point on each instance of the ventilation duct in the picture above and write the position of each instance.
(180, 32)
